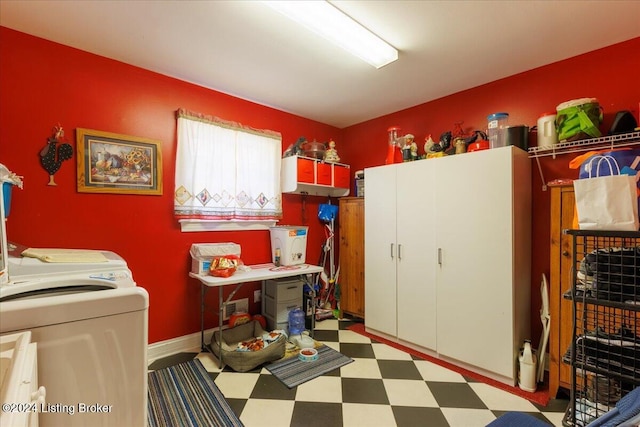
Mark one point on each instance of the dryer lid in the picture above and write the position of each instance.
(55, 287)
(22, 268)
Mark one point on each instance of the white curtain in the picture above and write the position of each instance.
(226, 171)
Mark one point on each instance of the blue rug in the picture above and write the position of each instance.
(293, 372)
(185, 395)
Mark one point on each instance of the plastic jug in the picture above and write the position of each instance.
(296, 321)
(527, 374)
(547, 134)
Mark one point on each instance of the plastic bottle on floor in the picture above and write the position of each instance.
(527, 375)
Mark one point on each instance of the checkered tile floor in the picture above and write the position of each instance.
(382, 387)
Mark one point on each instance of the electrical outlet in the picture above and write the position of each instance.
(257, 294)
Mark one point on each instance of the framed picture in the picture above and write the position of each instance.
(121, 164)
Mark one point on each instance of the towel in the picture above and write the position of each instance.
(65, 255)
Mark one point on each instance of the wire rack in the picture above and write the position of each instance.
(605, 350)
(610, 142)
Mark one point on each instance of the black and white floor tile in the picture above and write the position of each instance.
(383, 387)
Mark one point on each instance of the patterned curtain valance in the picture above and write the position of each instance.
(205, 118)
(226, 171)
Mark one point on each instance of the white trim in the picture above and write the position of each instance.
(185, 343)
(193, 225)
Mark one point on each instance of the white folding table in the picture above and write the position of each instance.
(254, 273)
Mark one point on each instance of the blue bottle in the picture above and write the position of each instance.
(296, 321)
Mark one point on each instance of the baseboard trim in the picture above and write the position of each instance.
(185, 343)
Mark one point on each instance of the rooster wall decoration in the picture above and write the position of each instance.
(52, 155)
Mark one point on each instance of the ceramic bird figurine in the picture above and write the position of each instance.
(52, 156)
(428, 144)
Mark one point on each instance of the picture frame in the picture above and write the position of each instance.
(118, 164)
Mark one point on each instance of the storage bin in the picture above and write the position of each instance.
(283, 289)
(292, 242)
(202, 253)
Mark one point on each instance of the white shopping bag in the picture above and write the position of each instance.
(607, 202)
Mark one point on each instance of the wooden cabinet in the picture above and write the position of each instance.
(560, 335)
(447, 257)
(305, 175)
(351, 232)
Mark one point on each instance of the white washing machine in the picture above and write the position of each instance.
(89, 321)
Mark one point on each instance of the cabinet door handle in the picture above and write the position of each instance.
(399, 251)
(392, 251)
(440, 257)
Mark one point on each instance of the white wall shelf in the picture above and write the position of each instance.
(305, 175)
(583, 145)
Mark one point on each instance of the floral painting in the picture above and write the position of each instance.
(111, 163)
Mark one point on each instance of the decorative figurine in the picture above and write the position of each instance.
(436, 149)
(406, 148)
(414, 150)
(428, 144)
(52, 156)
(331, 155)
(295, 148)
(409, 149)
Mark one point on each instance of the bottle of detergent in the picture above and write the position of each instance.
(527, 374)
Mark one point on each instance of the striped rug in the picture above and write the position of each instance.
(293, 372)
(185, 395)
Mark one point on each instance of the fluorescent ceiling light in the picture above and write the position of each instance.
(331, 23)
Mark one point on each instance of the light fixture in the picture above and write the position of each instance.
(331, 23)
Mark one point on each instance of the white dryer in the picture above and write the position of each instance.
(90, 324)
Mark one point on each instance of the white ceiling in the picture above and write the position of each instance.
(245, 49)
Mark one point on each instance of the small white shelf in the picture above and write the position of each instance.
(314, 177)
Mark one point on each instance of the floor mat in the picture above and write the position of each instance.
(185, 395)
(293, 372)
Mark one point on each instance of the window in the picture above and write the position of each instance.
(227, 175)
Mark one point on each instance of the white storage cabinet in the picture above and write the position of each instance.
(447, 257)
(279, 297)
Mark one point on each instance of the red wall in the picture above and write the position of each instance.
(612, 75)
(44, 83)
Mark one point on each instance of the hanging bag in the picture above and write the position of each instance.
(606, 202)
